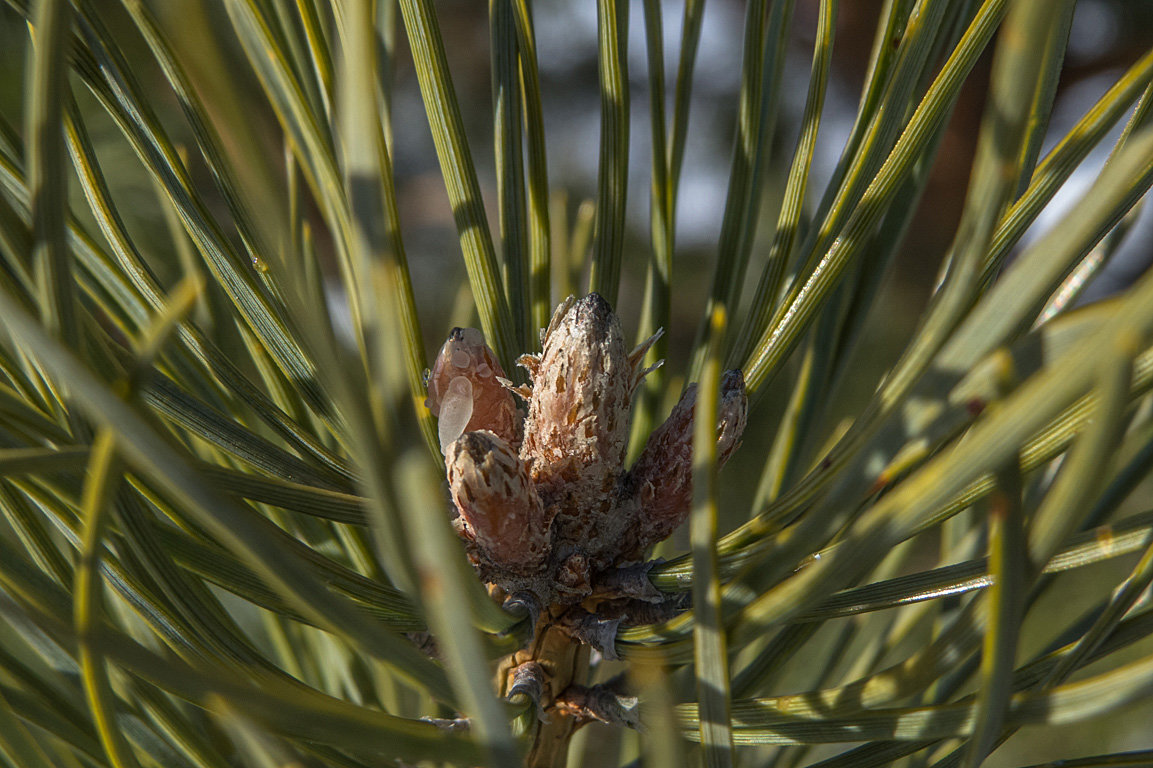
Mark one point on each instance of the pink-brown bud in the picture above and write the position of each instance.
(500, 511)
(660, 485)
(466, 393)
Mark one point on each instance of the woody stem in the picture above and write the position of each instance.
(566, 662)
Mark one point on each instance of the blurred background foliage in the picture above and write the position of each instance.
(260, 158)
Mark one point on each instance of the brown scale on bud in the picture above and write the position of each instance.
(660, 486)
(467, 392)
(500, 511)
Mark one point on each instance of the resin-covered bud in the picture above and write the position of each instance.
(660, 486)
(577, 427)
(466, 390)
(500, 512)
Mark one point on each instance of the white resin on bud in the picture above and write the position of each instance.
(455, 411)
